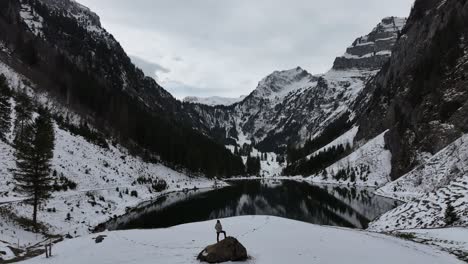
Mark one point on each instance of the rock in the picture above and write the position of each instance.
(229, 249)
(99, 239)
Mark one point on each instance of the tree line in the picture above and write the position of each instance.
(318, 162)
(330, 133)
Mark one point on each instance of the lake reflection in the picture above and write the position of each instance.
(326, 205)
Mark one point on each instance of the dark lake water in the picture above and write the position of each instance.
(318, 204)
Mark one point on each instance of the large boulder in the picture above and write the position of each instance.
(228, 249)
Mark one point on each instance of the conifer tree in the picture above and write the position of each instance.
(5, 108)
(450, 215)
(23, 110)
(34, 152)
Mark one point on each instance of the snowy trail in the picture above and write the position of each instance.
(269, 240)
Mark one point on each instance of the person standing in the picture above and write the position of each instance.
(219, 230)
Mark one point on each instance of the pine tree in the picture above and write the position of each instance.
(34, 151)
(450, 215)
(23, 109)
(5, 108)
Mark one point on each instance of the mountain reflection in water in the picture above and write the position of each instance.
(318, 204)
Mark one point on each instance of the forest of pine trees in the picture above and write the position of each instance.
(5, 108)
(253, 165)
(318, 162)
(330, 133)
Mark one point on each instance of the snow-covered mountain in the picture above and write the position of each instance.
(402, 89)
(289, 107)
(213, 100)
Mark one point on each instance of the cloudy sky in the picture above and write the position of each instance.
(225, 47)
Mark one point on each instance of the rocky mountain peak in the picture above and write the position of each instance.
(280, 83)
(373, 50)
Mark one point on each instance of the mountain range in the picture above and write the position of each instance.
(391, 113)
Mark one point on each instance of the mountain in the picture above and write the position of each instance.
(290, 107)
(421, 98)
(213, 100)
(409, 131)
(420, 95)
(62, 49)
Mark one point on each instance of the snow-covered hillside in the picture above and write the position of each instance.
(429, 188)
(109, 180)
(105, 180)
(370, 165)
(268, 240)
(437, 171)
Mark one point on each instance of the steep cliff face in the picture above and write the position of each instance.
(372, 51)
(290, 107)
(421, 93)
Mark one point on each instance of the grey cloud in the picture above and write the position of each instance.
(150, 69)
(223, 43)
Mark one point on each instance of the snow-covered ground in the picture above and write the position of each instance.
(454, 239)
(268, 240)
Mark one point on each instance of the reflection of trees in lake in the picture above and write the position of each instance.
(328, 205)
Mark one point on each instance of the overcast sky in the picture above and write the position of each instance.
(225, 47)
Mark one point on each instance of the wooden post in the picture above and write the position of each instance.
(46, 251)
(50, 247)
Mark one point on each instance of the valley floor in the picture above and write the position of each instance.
(268, 240)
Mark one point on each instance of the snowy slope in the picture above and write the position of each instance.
(428, 211)
(438, 171)
(428, 189)
(370, 164)
(103, 176)
(297, 243)
(98, 173)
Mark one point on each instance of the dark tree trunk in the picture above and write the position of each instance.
(35, 205)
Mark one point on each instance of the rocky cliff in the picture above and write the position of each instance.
(421, 93)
